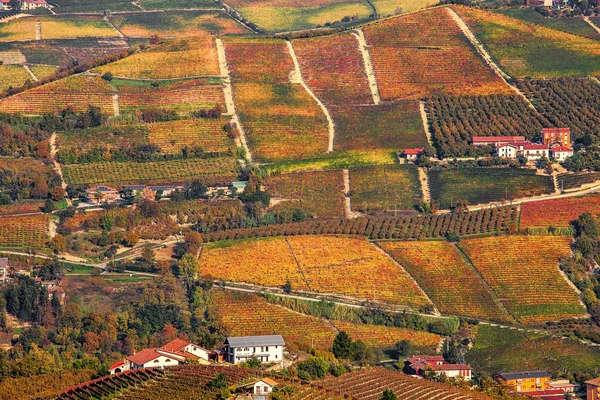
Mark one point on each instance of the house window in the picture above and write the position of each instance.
(167, 360)
(276, 356)
(155, 361)
(267, 348)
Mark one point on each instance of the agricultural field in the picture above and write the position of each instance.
(384, 188)
(566, 102)
(523, 272)
(390, 7)
(13, 76)
(21, 208)
(181, 96)
(77, 91)
(557, 212)
(209, 171)
(69, 6)
(498, 350)
(208, 134)
(454, 120)
(378, 128)
(319, 193)
(324, 264)
(282, 16)
(484, 185)
(177, 24)
(333, 68)
(527, 50)
(281, 120)
(177, 4)
(448, 279)
(572, 181)
(573, 25)
(24, 231)
(171, 60)
(56, 28)
(424, 54)
(43, 71)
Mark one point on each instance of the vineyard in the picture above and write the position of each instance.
(451, 283)
(523, 272)
(333, 68)
(368, 384)
(484, 185)
(43, 71)
(210, 171)
(424, 54)
(575, 26)
(525, 49)
(176, 60)
(172, 24)
(454, 120)
(280, 118)
(13, 76)
(323, 264)
(497, 219)
(571, 181)
(384, 188)
(557, 212)
(497, 350)
(76, 91)
(21, 208)
(55, 28)
(207, 134)
(319, 193)
(24, 231)
(386, 127)
(182, 96)
(572, 102)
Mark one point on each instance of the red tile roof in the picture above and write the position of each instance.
(495, 139)
(533, 146)
(175, 345)
(550, 394)
(117, 364)
(413, 151)
(414, 359)
(143, 356)
(451, 367)
(556, 130)
(559, 149)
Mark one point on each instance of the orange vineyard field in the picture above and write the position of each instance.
(24, 231)
(523, 272)
(557, 212)
(426, 53)
(325, 264)
(452, 284)
(206, 134)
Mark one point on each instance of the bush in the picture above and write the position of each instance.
(312, 368)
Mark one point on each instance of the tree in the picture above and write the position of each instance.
(108, 76)
(287, 288)
(193, 241)
(58, 244)
(342, 345)
(361, 353)
(148, 254)
(131, 239)
(188, 269)
(15, 5)
(401, 349)
(49, 206)
(314, 367)
(388, 394)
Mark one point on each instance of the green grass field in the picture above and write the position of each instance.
(501, 350)
(177, 4)
(68, 6)
(525, 49)
(390, 7)
(483, 185)
(576, 26)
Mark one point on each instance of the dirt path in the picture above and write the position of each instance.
(138, 5)
(228, 92)
(347, 203)
(484, 53)
(425, 122)
(113, 26)
(297, 78)
(55, 163)
(590, 23)
(364, 49)
(555, 182)
(38, 30)
(35, 78)
(424, 179)
(116, 105)
(51, 228)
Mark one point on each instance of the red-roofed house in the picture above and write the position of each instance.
(417, 364)
(506, 150)
(33, 4)
(119, 366)
(186, 349)
(561, 153)
(154, 358)
(496, 140)
(549, 394)
(413, 154)
(5, 5)
(561, 136)
(535, 151)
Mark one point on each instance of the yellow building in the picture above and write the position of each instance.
(526, 381)
(593, 389)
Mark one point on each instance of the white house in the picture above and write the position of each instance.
(453, 370)
(186, 349)
(535, 151)
(119, 366)
(263, 387)
(33, 4)
(413, 154)
(265, 348)
(561, 153)
(506, 150)
(4, 270)
(154, 358)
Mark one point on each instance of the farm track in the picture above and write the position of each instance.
(55, 162)
(299, 79)
(35, 78)
(590, 23)
(228, 92)
(424, 181)
(425, 122)
(364, 50)
(116, 105)
(347, 201)
(113, 26)
(38, 30)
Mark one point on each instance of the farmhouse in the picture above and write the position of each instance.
(506, 150)
(265, 348)
(561, 153)
(119, 366)
(592, 389)
(534, 151)
(102, 194)
(260, 389)
(496, 140)
(187, 349)
(154, 358)
(556, 136)
(413, 154)
(4, 270)
(418, 364)
(526, 381)
(33, 4)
